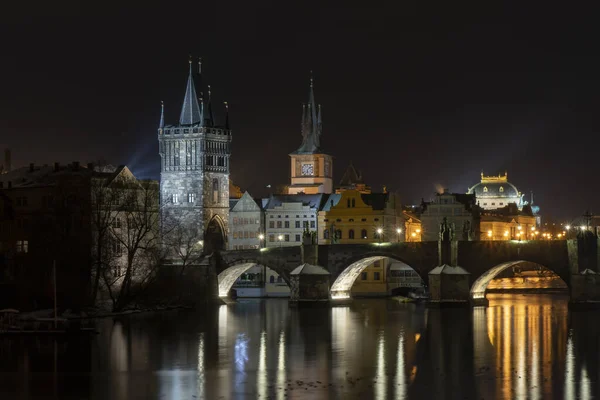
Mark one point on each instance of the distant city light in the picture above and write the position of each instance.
(379, 231)
(567, 227)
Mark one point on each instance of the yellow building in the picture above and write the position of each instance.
(508, 224)
(352, 217)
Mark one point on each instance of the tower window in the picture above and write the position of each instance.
(501, 189)
(191, 197)
(485, 189)
(221, 161)
(175, 198)
(215, 188)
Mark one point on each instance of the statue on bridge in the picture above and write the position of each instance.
(467, 233)
(447, 230)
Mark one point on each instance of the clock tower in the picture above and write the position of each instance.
(311, 168)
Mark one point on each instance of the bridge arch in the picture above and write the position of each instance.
(479, 287)
(342, 285)
(229, 275)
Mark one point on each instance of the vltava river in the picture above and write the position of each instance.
(521, 347)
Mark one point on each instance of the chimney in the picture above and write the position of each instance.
(7, 160)
(56, 166)
(31, 167)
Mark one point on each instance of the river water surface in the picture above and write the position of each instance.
(520, 347)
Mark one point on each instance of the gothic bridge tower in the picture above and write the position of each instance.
(194, 174)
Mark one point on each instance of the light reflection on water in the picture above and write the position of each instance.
(521, 346)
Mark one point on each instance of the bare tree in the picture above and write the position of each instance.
(136, 237)
(181, 239)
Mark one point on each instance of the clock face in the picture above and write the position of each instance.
(307, 169)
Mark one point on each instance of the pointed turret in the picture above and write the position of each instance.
(191, 112)
(209, 118)
(311, 124)
(226, 115)
(161, 124)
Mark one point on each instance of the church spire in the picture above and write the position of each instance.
(209, 113)
(311, 123)
(190, 111)
(161, 124)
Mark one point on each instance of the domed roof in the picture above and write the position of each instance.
(494, 186)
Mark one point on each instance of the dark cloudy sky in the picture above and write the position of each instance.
(415, 95)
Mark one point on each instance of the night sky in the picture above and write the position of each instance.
(416, 96)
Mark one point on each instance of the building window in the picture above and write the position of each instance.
(501, 204)
(325, 233)
(191, 197)
(116, 247)
(272, 224)
(279, 279)
(493, 204)
(22, 246)
(363, 234)
(286, 238)
(312, 224)
(235, 220)
(364, 220)
(116, 223)
(351, 234)
(297, 238)
(485, 189)
(501, 189)
(363, 276)
(348, 203)
(246, 234)
(305, 224)
(376, 219)
(271, 238)
(287, 216)
(271, 279)
(286, 224)
(338, 234)
(235, 235)
(485, 204)
(298, 224)
(376, 276)
(353, 203)
(351, 220)
(279, 224)
(215, 188)
(175, 198)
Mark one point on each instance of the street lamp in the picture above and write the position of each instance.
(261, 237)
(489, 233)
(398, 231)
(505, 234)
(280, 238)
(380, 232)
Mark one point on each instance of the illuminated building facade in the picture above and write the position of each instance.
(311, 168)
(194, 177)
(508, 223)
(458, 209)
(496, 192)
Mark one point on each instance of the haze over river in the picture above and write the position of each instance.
(520, 347)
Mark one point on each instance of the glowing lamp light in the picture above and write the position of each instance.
(567, 227)
(489, 233)
(506, 233)
(519, 227)
(261, 236)
(413, 234)
(379, 231)
(583, 228)
(533, 228)
(398, 231)
(201, 242)
(280, 237)
(418, 231)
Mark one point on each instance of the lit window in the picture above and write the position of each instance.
(501, 189)
(271, 238)
(287, 238)
(116, 223)
(175, 198)
(287, 224)
(312, 224)
(272, 224)
(485, 189)
(22, 246)
(191, 197)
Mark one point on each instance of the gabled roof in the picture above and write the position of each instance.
(351, 176)
(331, 201)
(245, 203)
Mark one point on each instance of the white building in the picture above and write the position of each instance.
(288, 216)
(245, 223)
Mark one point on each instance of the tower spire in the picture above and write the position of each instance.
(190, 111)
(311, 124)
(226, 115)
(161, 124)
(209, 117)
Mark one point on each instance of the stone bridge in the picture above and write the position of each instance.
(483, 260)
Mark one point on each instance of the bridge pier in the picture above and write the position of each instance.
(309, 283)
